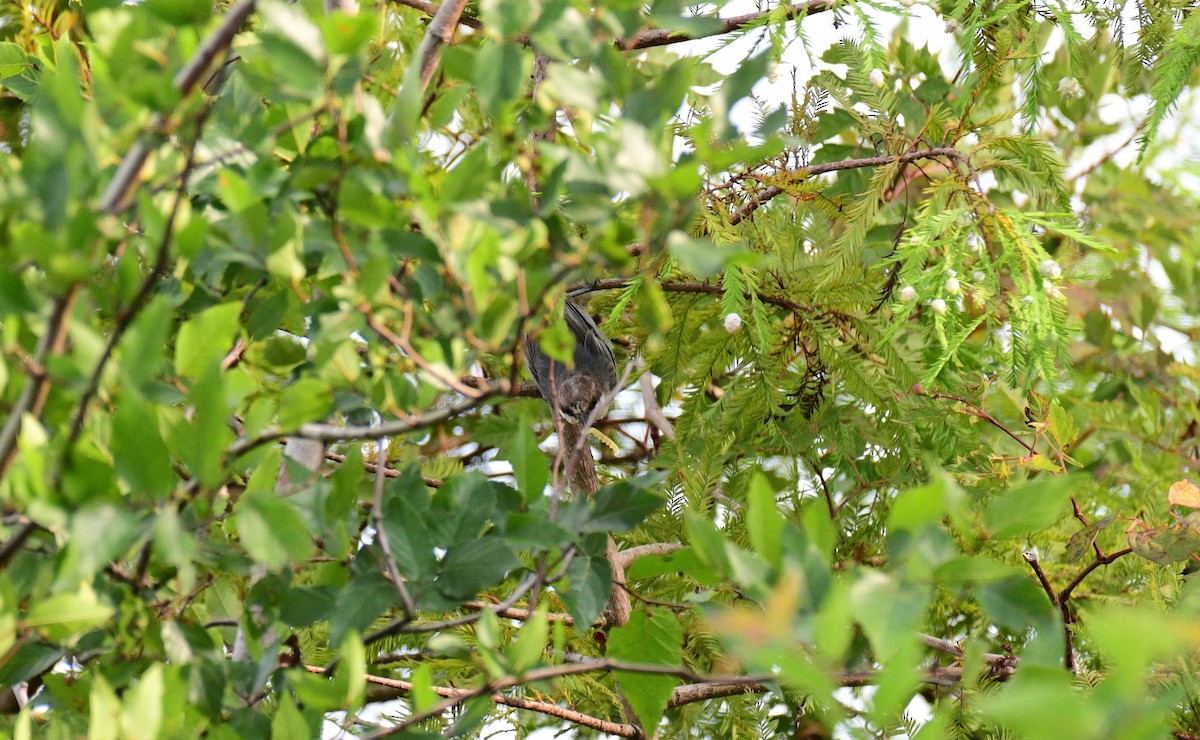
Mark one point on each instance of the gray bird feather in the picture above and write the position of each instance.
(593, 375)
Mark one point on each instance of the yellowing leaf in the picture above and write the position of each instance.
(1184, 493)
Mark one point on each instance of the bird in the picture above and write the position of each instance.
(581, 387)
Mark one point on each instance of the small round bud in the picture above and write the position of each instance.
(938, 306)
(1019, 199)
(908, 3)
(952, 286)
(978, 276)
(1027, 300)
(1050, 269)
(908, 294)
(876, 77)
(951, 273)
(733, 322)
(1069, 87)
(951, 25)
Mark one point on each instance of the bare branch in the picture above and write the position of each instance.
(657, 36)
(699, 688)
(334, 433)
(626, 557)
(661, 37)
(439, 33)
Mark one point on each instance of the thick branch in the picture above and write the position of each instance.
(439, 33)
(626, 557)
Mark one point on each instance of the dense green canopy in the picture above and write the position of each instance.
(909, 404)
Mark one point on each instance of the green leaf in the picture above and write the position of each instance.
(404, 520)
(62, 616)
(288, 722)
(623, 505)
(530, 465)
(500, 75)
(888, 610)
(140, 456)
(271, 531)
(142, 713)
(526, 650)
(13, 59)
(206, 338)
(471, 566)
(1029, 508)
(1016, 603)
(652, 637)
(308, 399)
(763, 520)
(354, 669)
(141, 350)
(590, 580)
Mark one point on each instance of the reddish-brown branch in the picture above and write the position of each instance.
(978, 412)
(1061, 599)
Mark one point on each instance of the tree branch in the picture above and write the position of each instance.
(335, 433)
(32, 395)
(662, 37)
(439, 33)
(699, 688)
(116, 194)
(766, 194)
(627, 556)
(659, 36)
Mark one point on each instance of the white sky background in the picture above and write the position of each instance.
(925, 28)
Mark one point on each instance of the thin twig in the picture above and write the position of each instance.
(657, 36)
(127, 314)
(662, 37)
(406, 601)
(978, 412)
(766, 194)
(334, 433)
(32, 394)
(116, 194)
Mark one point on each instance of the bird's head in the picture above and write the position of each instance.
(577, 397)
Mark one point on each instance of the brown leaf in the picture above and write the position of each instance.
(1184, 493)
